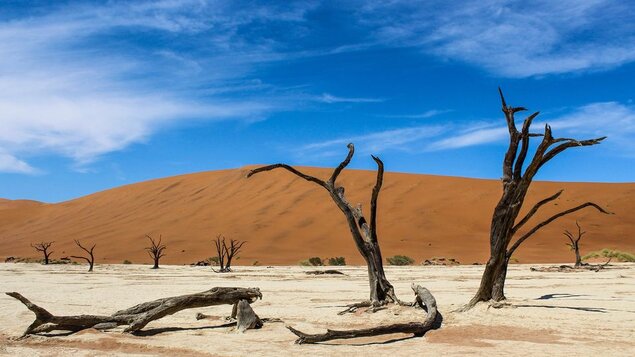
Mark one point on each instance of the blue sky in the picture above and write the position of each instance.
(95, 95)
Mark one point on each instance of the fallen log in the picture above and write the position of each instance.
(138, 316)
(423, 299)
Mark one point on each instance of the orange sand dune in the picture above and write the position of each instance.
(285, 219)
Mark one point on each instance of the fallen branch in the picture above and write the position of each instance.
(424, 299)
(138, 316)
(321, 272)
(568, 268)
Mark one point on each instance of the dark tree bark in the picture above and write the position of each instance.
(423, 298)
(364, 232)
(138, 316)
(155, 250)
(226, 253)
(516, 181)
(575, 244)
(91, 257)
(44, 248)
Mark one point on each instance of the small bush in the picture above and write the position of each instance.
(337, 261)
(213, 260)
(316, 261)
(127, 262)
(256, 263)
(611, 253)
(304, 263)
(400, 260)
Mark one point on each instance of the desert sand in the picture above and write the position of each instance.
(576, 314)
(285, 219)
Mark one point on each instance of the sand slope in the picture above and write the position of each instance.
(285, 219)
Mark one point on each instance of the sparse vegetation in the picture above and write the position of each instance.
(316, 261)
(126, 261)
(400, 260)
(44, 247)
(338, 261)
(611, 253)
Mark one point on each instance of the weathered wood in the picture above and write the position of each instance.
(246, 318)
(91, 257)
(138, 316)
(575, 244)
(423, 298)
(364, 234)
(517, 178)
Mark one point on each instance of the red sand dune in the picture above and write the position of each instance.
(286, 219)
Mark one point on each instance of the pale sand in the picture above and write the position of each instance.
(594, 316)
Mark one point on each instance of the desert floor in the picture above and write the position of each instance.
(582, 313)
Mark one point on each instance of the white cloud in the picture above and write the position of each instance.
(329, 98)
(612, 119)
(10, 164)
(511, 38)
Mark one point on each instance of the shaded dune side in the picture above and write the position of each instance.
(286, 219)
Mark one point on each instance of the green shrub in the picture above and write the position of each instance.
(400, 260)
(127, 262)
(611, 253)
(316, 261)
(304, 263)
(337, 261)
(213, 260)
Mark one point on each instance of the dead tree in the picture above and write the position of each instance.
(516, 181)
(91, 257)
(226, 253)
(44, 248)
(364, 232)
(575, 244)
(423, 299)
(155, 250)
(138, 316)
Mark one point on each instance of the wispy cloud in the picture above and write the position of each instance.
(510, 38)
(612, 119)
(329, 98)
(427, 114)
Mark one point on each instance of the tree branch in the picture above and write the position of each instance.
(551, 219)
(343, 164)
(534, 209)
(373, 199)
(288, 168)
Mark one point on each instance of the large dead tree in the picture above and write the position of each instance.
(364, 231)
(226, 253)
(90, 259)
(155, 250)
(574, 244)
(517, 178)
(44, 247)
(138, 316)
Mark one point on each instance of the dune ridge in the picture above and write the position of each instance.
(286, 219)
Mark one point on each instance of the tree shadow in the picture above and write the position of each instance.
(156, 331)
(586, 309)
(558, 296)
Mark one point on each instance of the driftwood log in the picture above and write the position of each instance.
(138, 316)
(423, 299)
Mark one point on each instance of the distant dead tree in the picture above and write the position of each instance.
(44, 248)
(575, 244)
(516, 182)
(155, 250)
(91, 257)
(364, 232)
(226, 253)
